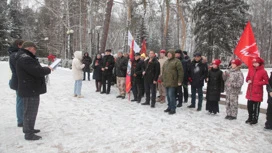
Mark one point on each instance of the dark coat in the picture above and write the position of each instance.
(138, 71)
(97, 73)
(197, 72)
(87, 60)
(31, 81)
(215, 85)
(269, 89)
(186, 62)
(121, 66)
(152, 71)
(13, 83)
(107, 61)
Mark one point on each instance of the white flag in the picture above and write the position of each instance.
(130, 39)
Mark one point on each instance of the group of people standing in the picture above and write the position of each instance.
(171, 73)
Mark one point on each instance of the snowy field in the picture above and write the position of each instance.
(104, 124)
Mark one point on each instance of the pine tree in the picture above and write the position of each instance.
(15, 17)
(218, 25)
(3, 28)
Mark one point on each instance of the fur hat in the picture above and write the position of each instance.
(27, 44)
(258, 60)
(197, 54)
(237, 62)
(216, 62)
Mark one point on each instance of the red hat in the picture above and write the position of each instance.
(216, 62)
(237, 62)
(258, 60)
(163, 51)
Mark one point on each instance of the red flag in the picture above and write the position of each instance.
(143, 49)
(246, 48)
(128, 76)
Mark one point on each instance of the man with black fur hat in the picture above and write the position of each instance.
(138, 78)
(31, 83)
(197, 74)
(107, 67)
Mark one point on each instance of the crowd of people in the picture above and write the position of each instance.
(170, 74)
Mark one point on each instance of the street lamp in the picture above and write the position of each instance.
(97, 29)
(70, 34)
(46, 42)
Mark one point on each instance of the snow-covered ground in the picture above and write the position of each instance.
(102, 123)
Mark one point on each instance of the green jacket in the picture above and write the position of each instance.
(172, 72)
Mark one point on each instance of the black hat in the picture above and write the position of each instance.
(197, 54)
(185, 53)
(108, 50)
(178, 51)
(27, 44)
(137, 54)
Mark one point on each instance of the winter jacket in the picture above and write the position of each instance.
(162, 61)
(185, 65)
(138, 71)
(13, 83)
(172, 72)
(259, 78)
(234, 80)
(77, 66)
(121, 66)
(215, 85)
(269, 89)
(108, 61)
(152, 71)
(87, 60)
(197, 73)
(31, 81)
(97, 73)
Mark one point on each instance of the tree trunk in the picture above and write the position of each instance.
(183, 40)
(106, 26)
(165, 31)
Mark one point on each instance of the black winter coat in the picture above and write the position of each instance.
(13, 83)
(269, 89)
(31, 81)
(121, 66)
(215, 85)
(97, 73)
(87, 60)
(197, 72)
(152, 71)
(108, 61)
(138, 71)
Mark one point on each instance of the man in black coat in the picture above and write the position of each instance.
(107, 68)
(151, 73)
(138, 80)
(120, 72)
(186, 62)
(197, 74)
(31, 83)
(87, 60)
(13, 83)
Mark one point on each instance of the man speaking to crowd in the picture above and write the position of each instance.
(31, 83)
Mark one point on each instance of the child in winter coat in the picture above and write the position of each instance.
(234, 80)
(268, 123)
(215, 87)
(256, 78)
(77, 67)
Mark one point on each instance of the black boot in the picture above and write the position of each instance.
(32, 137)
(171, 112)
(179, 105)
(146, 103)
(191, 106)
(254, 121)
(167, 110)
(249, 119)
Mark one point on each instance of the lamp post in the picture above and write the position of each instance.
(69, 33)
(46, 42)
(97, 29)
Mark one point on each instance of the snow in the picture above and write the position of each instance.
(102, 123)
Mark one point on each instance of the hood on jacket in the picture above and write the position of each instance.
(172, 51)
(78, 55)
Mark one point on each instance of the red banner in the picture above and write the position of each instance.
(143, 49)
(128, 76)
(246, 48)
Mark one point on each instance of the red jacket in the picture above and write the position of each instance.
(259, 78)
